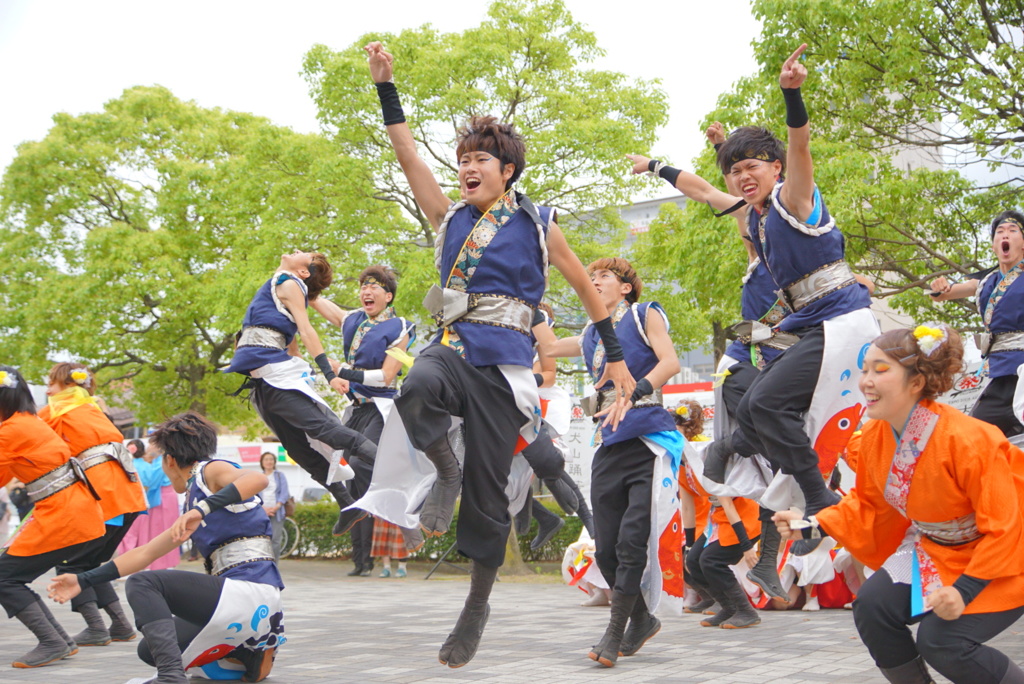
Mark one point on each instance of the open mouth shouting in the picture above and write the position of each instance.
(472, 183)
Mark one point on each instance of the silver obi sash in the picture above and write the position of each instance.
(239, 551)
(999, 342)
(756, 332)
(814, 286)
(447, 305)
(606, 397)
(58, 479)
(259, 336)
(962, 530)
(114, 451)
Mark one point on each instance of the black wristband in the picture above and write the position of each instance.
(796, 112)
(741, 535)
(107, 572)
(717, 146)
(351, 375)
(539, 379)
(325, 366)
(538, 318)
(643, 388)
(612, 348)
(690, 534)
(669, 173)
(225, 497)
(969, 587)
(390, 104)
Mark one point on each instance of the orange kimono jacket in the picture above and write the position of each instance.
(723, 531)
(967, 466)
(83, 427)
(28, 450)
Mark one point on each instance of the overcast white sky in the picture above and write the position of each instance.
(72, 56)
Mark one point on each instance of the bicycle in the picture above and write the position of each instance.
(289, 537)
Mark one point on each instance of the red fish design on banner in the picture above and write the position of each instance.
(670, 553)
(835, 435)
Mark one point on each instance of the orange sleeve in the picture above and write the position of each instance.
(869, 528)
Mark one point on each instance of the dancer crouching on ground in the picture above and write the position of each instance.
(281, 391)
(624, 464)
(72, 412)
(185, 616)
(936, 510)
(65, 521)
(491, 253)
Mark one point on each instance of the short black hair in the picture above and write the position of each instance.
(750, 142)
(1001, 218)
(187, 438)
(383, 275)
(501, 140)
(16, 399)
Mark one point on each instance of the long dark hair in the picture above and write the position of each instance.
(16, 399)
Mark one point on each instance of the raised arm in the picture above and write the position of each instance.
(334, 314)
(425, 188)
(716, 136)
(798, 191)
(691, 185)
(947, 290)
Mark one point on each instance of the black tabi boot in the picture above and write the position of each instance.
(642, 626)
(716, 456)
(58, 628)
(460, 646)
(914, 672)
(817, 497)
(95, 632)
(162, 642)
(548, 525)
(521, 520)
(765, 573)
(586, 517)
(563, 494)
(706, 601)
(346, 519)
(744, 614)
(52, 646)
(606, 652)
(121, 628)
(257, 663)
(439, 507)
(726, 611)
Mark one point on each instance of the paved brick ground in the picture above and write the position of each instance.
(343, 629)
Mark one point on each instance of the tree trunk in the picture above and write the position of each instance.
(514, 563)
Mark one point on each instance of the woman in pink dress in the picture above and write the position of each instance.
(163, 506)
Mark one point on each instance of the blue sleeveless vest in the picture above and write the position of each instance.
(758, 302)
(248, 519)
(790, 255)
(262, 312)
(511, 266)
(640, 359)
(372, 351)
(1008, 316)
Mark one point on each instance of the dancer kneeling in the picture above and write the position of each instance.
(189, 619)
(937, 510)
(623, 469)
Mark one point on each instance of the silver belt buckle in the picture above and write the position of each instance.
(446, 305)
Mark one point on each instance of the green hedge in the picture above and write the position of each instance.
(315, 521)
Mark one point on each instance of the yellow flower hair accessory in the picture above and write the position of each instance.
(80, 377)
(683, 410)
(7, 380)
(929, 339)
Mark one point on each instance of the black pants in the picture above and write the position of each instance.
(620, 490)
(190, 598)
(98, 553)
(367, 421)
(442, 384)
(995, 405)
(741, 376)
(953, 647)
(293, 416)
(17, 572)
(708, 564)
(771, 413)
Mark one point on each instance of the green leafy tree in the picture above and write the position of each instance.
(901, 95)
(135, 237)
(528, 64)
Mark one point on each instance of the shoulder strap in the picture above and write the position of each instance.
(526, 204)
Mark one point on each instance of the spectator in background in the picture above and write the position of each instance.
(274, 498)
(162, 504)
